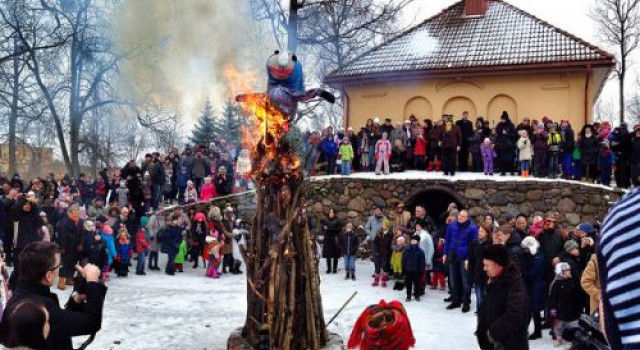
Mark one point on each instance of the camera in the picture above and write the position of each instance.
(585, 334)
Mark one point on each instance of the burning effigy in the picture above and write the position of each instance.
(284, 307)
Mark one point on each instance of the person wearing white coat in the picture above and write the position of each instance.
(426, 244)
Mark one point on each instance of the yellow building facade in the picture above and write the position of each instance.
(480, 56)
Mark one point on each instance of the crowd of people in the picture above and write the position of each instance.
(541, 148)
(539, 271)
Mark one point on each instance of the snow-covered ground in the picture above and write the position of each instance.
(192, 312)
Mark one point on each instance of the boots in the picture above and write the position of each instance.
(376, 281)
(385, 278)
(348, 275)
(438, 166)
(61, 283)
(353, 275)
(431, 167)
(537, 327)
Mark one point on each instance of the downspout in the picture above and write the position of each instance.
(586, 93)
(347, 109)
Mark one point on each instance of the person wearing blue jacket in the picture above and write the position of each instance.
(458, 238)
(413, 263)
(330, 151)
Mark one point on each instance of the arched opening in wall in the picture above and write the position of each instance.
(501, 103)
(436, 200)
(418, 106)
(456, 105)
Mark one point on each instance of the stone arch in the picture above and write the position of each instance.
(435, 199)
(418, 106)
(499, 103)
(456, 105)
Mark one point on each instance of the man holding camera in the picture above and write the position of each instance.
(39, 266)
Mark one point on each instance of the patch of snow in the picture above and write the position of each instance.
(423, 175)
(191, 311)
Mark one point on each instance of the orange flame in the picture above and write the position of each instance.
(264, 134)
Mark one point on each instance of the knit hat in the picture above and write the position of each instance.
(531, 244)
(563, 266)
(199, 217)
(570, 245)
(497, 253)
(587, 228)
(89, 225)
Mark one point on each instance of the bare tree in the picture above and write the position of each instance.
(618, 23)
(633, 108)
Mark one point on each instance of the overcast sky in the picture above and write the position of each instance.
(569, 15)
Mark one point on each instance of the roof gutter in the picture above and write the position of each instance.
(457, 72)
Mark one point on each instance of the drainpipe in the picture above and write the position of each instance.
(347, 109)
(586, 93)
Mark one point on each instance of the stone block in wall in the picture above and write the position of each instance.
(534, 195)
(595, 198)
(572, 218)
(566, 205)
(473, 193)
(526, 208)
(499, 200)
(476, 211)
(357, 204)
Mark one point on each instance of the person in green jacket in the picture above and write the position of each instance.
(178, 262)
(345, 153)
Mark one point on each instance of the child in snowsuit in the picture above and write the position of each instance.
(413, 264)
(606, 163)
(398, 247)
(564, 301)
(214, 256)
(124, 253)
(178, 262)
(142, 245)
(488, 155)
(383, 154)
(349, 245)
(525, 153)
(107, 236)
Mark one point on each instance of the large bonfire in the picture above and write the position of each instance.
(284, 306)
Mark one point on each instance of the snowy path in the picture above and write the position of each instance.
(191, 312)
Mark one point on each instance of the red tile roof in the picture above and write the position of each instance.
(504, 36)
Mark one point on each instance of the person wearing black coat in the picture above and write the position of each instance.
(634, 157)
(71, 231)
(25, 214)
(505, 235)
(466, 129)
(413, 264)
(158, 180)
(621, 148)
(505, 144)
(566, 146)
(504, 315)
(78, 317)
(171, 238)
(476, 266)
(330, 248)
(589, 147)
(349, 244)
(564, 300)
(533, 272)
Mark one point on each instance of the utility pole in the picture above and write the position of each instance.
(292, 30)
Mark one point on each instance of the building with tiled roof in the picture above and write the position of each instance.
(480, 56)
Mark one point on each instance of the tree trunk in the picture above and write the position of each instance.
(621, 87)
(292, 30)
(13, 116)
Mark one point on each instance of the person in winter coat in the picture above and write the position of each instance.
(70, 231)
(399, 244)
(564, 301)
(488, 155)
(26, 216)
(533, 271)
(27, 328)
(506, 144)
(552, 247)
(123, 194)
(426, 244)
(458, 237)
(239, 246)
(123, 245)
(171, 237)
(190, 194)
(94, 247)
(566, 147)
(208, 191)
(450, 144)
(213, 254)
(181, 183)
(383, 154)
(504, 315)
(525, 153)
(107, 236)
(504, 235)
(540, 150)
(634, 157)
(345, 153)
(178, 261)
(349, 246)
(142, 244)
(413, 264)
(475, 141)
(223, 182)
(382, 254)
(81, 316)
(590, 282)
(555, 142)
(330, 247)
(200, 168)
(475, 265)
(420, 150)
(606, 163)
(588, 145)
(155, 225)
(199, 231)
(330, 152)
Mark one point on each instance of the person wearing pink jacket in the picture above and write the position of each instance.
(208, 190)
(383, 153)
